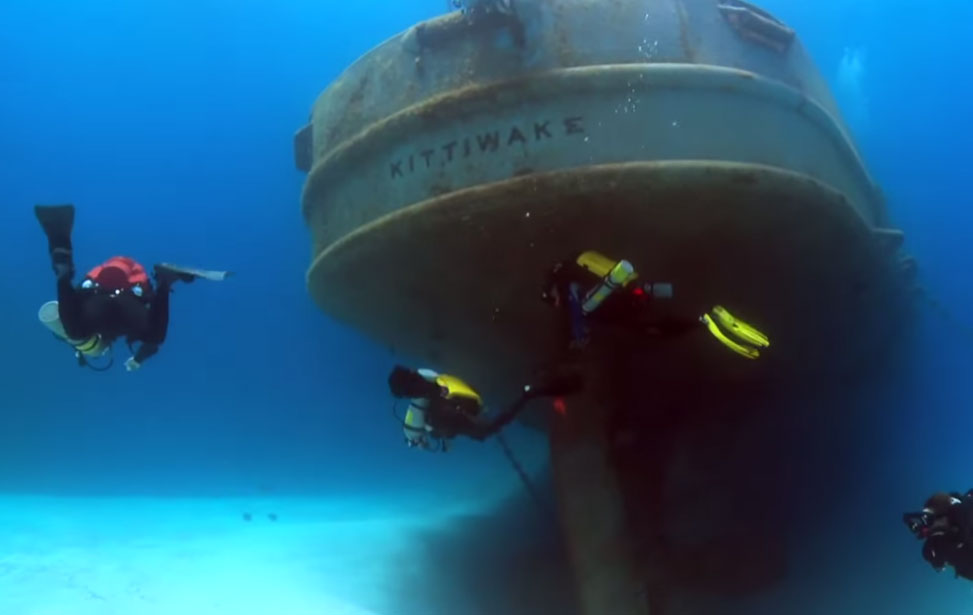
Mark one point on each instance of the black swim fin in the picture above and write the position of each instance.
(56, 220)
(188, 274)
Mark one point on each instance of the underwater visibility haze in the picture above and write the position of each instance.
(257, 463)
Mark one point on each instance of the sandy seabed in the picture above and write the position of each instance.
(144, 556)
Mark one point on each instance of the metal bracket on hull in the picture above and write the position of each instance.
(304, 148)
(481, 17)
(757, 25)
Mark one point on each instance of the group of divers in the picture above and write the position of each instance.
(589, 291)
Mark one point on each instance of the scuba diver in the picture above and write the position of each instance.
(946, 524)
(442, 406)
(115, 299)
(593, 288)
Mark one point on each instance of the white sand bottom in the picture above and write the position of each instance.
(141, 556)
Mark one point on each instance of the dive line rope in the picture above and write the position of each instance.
(544, 508)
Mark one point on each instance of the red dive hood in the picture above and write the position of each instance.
(119, 273)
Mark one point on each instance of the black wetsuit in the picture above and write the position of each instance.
(955, 545)
(86, 312)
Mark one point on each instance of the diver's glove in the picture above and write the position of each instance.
(131, 364)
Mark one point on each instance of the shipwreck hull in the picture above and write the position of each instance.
(773, 244)
(451, 166)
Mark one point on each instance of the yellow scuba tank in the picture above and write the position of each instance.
(613, 274)
(457, 394)
(49, 316)
(458, 390)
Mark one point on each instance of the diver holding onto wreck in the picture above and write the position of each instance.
(945, 523)
(442, 407)
(594, 290)
(115, 299)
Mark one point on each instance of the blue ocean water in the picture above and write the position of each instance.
(170, 124)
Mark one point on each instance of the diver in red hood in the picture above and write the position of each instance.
(115, 299)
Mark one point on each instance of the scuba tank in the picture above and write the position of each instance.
(92, 347)
(614, 275)
(414, 425)
(659, 290)
(454, 395)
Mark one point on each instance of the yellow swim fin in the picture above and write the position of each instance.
(745, 351)
(739, 329)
